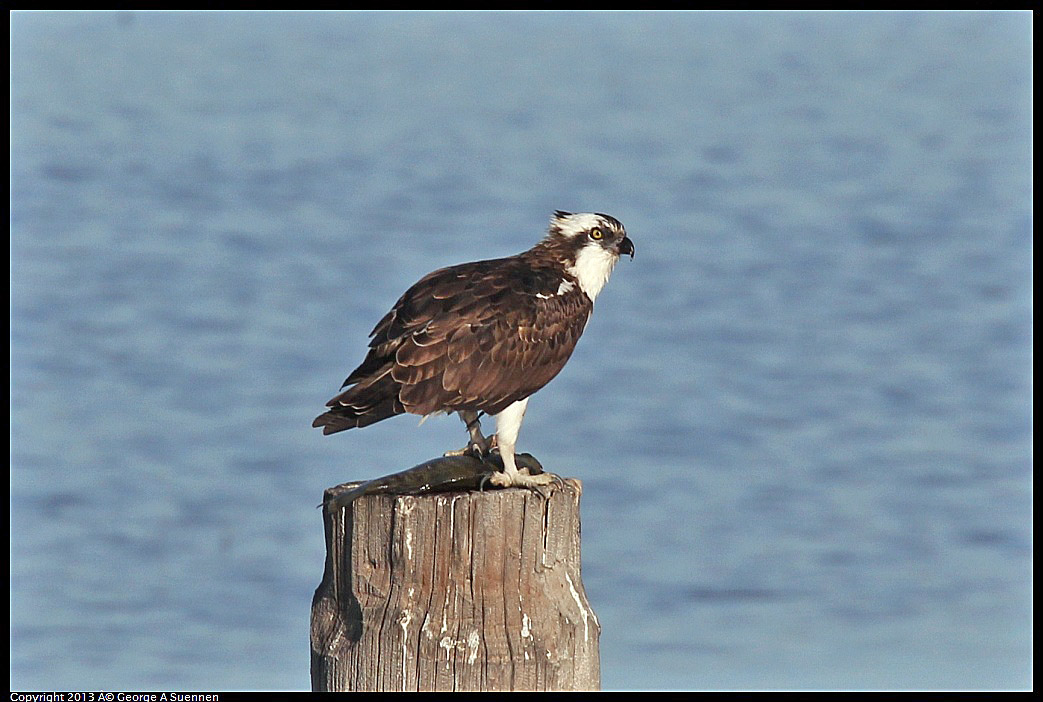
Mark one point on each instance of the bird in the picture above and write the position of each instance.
(480, 338)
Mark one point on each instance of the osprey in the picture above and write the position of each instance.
(480, 338)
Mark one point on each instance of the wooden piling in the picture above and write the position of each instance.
(476, 591)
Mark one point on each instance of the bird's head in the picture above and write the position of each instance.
(588, 245)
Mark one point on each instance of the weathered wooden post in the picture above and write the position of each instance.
(454, 591)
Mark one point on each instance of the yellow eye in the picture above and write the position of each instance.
(596, 234)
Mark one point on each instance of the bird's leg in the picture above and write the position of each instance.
(479, 445)
(508, 424)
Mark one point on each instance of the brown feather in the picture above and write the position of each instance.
(477, 337)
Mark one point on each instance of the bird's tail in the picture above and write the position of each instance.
(369, 401)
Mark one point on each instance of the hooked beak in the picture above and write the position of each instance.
(626, 246)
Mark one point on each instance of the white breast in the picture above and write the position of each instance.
(593, 266)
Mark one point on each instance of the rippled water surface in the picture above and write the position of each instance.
(802, 414)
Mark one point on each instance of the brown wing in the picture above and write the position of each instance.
(478, 336)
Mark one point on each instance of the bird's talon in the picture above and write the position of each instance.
(538, 489)
(474, 450)
(499, 479)
(547, 479)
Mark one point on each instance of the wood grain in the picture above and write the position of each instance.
(477, 591)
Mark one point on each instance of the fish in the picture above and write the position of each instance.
(442, 474)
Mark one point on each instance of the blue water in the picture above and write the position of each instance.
(802, 415)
